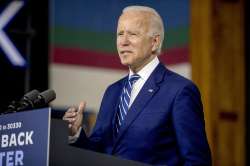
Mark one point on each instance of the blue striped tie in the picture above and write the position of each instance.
(124, 100)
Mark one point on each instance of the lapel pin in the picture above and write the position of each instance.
(151, 90)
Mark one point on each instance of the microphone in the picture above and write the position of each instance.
(44, 98)
(25, 103)
(32, 99)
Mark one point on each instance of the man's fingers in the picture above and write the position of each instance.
(81, 107)
(69, 115)
(72, 109)
(70, 120)
(71, 112)
(74, 116)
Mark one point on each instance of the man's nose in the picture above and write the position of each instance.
(125, 40)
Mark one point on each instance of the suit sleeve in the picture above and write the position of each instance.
(188, 121)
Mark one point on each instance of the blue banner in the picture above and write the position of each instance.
(24, 138)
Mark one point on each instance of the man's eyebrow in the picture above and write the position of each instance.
(120, 31)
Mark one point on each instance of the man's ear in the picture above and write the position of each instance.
(156, 43)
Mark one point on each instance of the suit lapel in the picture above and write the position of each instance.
(148, 90)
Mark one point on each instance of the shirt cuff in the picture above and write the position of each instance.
(73, 139)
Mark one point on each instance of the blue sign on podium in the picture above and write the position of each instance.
(24, 138)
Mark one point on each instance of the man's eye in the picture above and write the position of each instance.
(119, 34)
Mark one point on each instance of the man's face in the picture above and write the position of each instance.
(134, 44)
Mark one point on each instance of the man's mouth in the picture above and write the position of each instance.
(125, 51)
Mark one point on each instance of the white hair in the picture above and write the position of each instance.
(157, 27)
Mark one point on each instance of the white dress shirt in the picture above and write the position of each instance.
(144, 74)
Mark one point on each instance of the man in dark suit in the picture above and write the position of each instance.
(152, 115)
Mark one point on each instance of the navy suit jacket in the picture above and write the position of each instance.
(164, 125)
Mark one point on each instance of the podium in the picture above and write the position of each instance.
(34, 138)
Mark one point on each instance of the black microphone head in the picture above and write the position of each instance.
(31, 96)
(27, 102)
(48, 95)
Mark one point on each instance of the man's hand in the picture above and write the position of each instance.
(74, 118)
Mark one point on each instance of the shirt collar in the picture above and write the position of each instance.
(145, 72)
